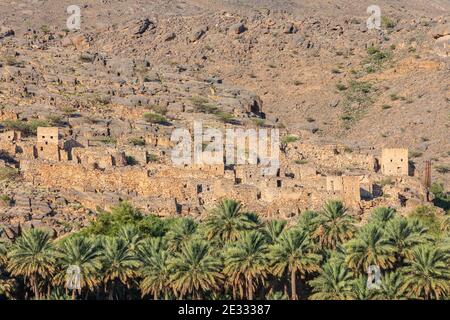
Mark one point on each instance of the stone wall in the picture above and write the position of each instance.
(48, 151)
(47, 135)
(351, 191)
(394, 162)
(347, 188)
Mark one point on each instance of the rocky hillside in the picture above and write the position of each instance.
(315, 66)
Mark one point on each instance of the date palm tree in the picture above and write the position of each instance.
(273, 229)
(292, 254)
(227, 220)
(3, 252)
(6, 284)
(360, 289)
(131, 235)
(119, 263)
(247, 260)
(154, 269)
(335, 225)
(445, 224)
(195, 269)
(391, 287)
(81, 252)
(382, 215)
(184, 230)
(6, 288)
(403, 236)
(370, 247)
(427, 274)
(309, 221)
(32, 256)
(418, 226)
(333, 283)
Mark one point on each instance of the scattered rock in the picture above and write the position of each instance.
(238, 28)
(146, 24)
(334, 103)
(7, 33)
(289, 28)
(213, 80)
(197, 34)
(169, 36)
(31, 89)
(87, 57)
(298, 39)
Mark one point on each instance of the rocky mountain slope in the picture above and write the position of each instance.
(294, 54)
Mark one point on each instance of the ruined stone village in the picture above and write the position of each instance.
(87, 120)
(99, 176)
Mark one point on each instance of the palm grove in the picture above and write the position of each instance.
(233, 254)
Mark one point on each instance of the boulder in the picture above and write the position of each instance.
(289, 28)
(169, 36)
(121, 66)
(6, 33)
(196, 34)
(334, 103)
(145, 25)
(87, 57)
(238, 28)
